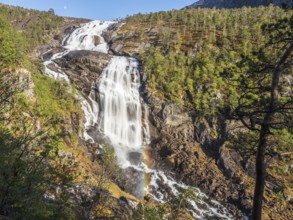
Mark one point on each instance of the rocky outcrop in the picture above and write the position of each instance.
(229, 161)
(198, 152)
(26, 82)
(93, 203)
(124, 44)
(83, 67)
(55, 40)
(184, 147)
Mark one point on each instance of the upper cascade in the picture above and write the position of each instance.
(88, 37)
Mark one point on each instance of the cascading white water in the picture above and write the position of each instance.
(120, 116)
(58, 73)
(82, 38)
(88, 37)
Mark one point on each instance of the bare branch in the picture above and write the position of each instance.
(276, 157)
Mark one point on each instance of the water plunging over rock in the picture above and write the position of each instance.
(120, 111)
(85, 37)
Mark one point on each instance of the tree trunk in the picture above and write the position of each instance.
(260, 172)
(264, 134)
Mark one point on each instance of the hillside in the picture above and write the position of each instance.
(238, 3)
(201, 75)
(194, 58)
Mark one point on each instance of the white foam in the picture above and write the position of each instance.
(120, 118)
(83, 38)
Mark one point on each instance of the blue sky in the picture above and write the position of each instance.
(101, 9)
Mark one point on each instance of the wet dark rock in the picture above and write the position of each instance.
(51, 66)
(132, 181)
(135, 157)
(111, 33)
(51, 52)
(83, 67)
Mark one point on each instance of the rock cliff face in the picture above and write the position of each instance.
(182, 147)
(237, 3)
(117, 42)
(83, 67)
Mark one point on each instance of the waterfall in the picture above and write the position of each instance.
(120, 119)
(88, 37)
(120, 113)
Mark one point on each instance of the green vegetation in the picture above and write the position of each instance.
(55, 99)
(34, 130)
(194, 52)
(31, 164)
(208, 60)
(21, 30)
(226, 64)
(12, 44)
(35, 27)
(107, 174)
(270, 97)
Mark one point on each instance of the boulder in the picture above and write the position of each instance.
(250, 167)
(97, 40)
(229, 161)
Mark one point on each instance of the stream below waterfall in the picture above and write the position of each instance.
(121, 118)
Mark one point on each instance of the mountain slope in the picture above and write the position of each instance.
(190, 82)
(187, 58)
(237, 3)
